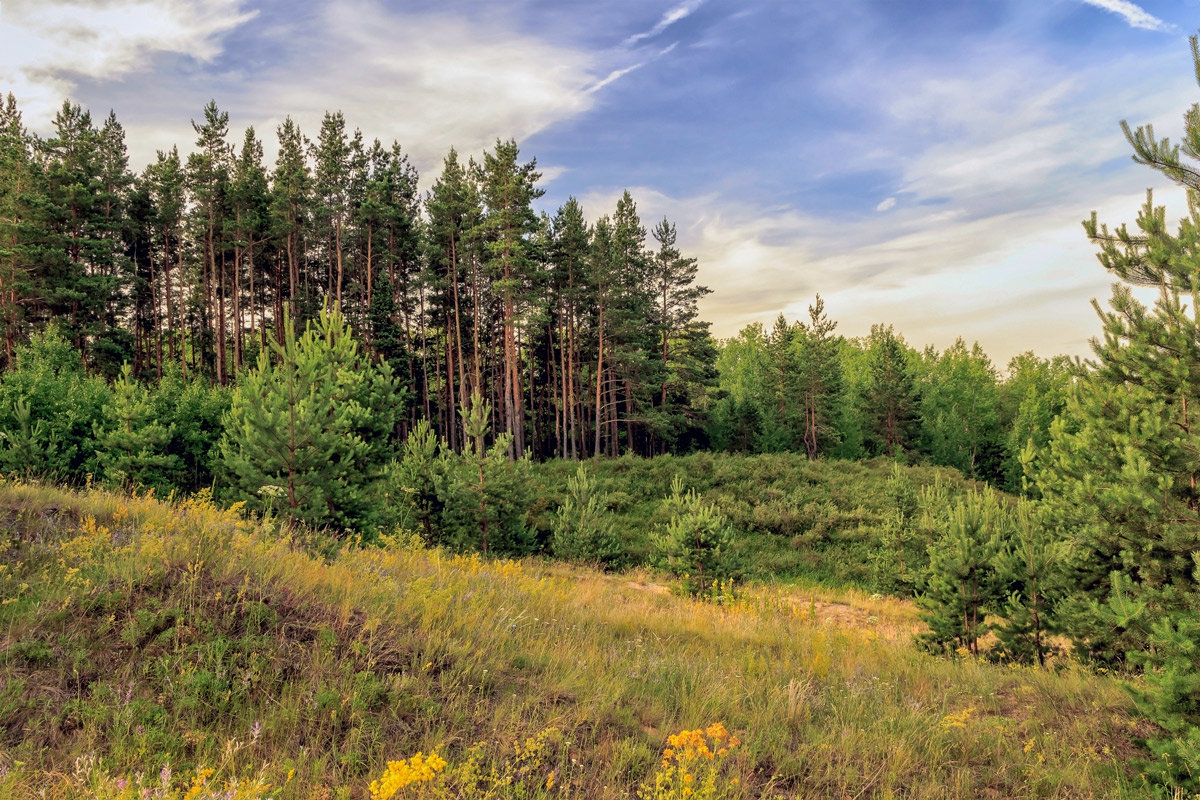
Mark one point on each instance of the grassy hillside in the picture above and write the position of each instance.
(143, 644)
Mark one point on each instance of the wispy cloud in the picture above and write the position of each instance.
(886, 205)
(430, 81)
(679, 12)
(1135, 15)
(1015, 281)
(616, 74)
(46, 47)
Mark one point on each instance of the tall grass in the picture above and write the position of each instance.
(141, 636)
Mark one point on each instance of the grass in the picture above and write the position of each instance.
(180, 649)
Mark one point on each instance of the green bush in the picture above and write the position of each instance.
(584, 530)
(695, 543)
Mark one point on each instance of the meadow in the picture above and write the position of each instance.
(179, 650)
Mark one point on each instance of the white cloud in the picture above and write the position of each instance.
(986, 141)
(886, 205)
(429, 81)
(679, 12)
(45, 47)
(616, 74)
(1133, 14)
(1015, 281)
(552, 172)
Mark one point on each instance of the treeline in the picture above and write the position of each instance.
(584, 336)
(801, 388)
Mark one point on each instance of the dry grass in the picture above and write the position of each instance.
(149, 633)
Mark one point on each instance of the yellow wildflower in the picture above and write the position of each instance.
(399, 774)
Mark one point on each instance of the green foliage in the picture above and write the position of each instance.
(960, 411)
(132, 446)
(1169, 693)
(82, 257)
(310, 427)
(892, 561)
(829, 521)
(994, 568)
(734, 427)
(799, 387)
(889, 398)
(1032, 397)
(49, 409)
(1029, 566)
(194, 411)
(488, 496)
(756, 412)
(419, 481)
(960, 587)
(695, 542)
(1121, 473)
(785, 391)
(584, 529)
(819, 381)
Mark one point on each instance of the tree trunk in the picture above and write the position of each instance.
(599, 381)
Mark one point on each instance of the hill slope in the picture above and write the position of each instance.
(142, 641)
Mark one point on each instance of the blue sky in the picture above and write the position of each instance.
(924, 164)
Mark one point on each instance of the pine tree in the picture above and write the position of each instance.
(819, 379)
(164, 184)
(602, 283)
(584, 529)
(571, 239)
(687, 352)
(291, 188)
(420, 479)
(890, 401)
(509, 189)
(1122, 476)
(193, 409)
(19, 188)
(783, 419)
(696, 540)
(305, 427)
(247, 232)
(75, 257)
(1028, 565)
(633, 345)
(331, 187)
(132, 443)
(489, 495)
(961, 588)
(49, 409)
(115, 268)
(208, 172)
(454, 212)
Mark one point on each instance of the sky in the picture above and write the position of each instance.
(919, 163)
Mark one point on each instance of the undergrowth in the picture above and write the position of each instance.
(829, 521)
